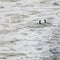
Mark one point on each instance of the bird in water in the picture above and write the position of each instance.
(44, 20)
(39, 21)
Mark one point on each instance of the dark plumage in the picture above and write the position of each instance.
(44, 21)
(39, 21)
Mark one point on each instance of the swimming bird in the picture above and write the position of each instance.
(44, 20)
(39, 21)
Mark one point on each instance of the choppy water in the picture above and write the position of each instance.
(21, 35)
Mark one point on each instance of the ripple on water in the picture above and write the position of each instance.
(15, 18)
(11, 55)
(37, 25)
(10, 0)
